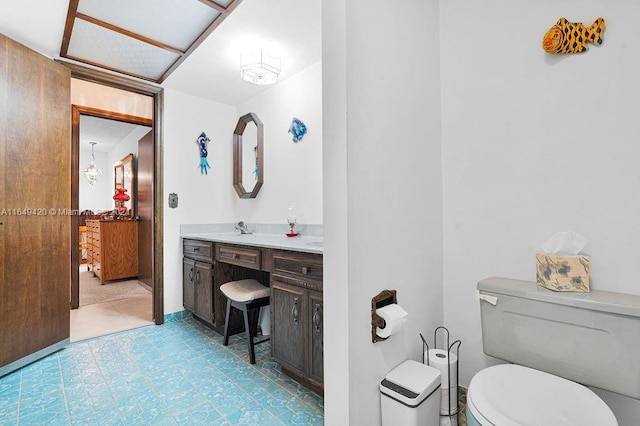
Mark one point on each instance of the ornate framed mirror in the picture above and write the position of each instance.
(248, 150)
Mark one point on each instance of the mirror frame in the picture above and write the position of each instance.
(127, 162)
(237, 155)
(118, 178)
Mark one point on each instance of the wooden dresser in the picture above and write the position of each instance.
(112, 248)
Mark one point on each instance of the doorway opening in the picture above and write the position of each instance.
(111, 294)
(151, 224)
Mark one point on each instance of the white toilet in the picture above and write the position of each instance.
(557, 340)
(510, 394)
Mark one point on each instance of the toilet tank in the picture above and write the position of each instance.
(590, 338)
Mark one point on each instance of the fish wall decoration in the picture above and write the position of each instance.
(572, 37)
(298, 129)
(202, 142)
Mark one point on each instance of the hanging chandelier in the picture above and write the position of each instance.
(92, 171)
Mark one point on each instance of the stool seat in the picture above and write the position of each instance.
(247, 296)
(244, 290)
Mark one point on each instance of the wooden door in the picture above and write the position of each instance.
(35, 203)
(144, 201)
(287, 325)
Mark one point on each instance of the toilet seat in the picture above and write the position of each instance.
(512, 395)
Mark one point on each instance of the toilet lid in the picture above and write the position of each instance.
(510, 394)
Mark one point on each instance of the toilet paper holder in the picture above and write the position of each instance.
(450, 347)
(384, 298)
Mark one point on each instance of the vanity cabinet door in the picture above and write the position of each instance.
(288, 323)
(204, 291)
(188, 284)
(316, 347)
(197, 288)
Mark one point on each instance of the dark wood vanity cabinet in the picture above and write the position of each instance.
(287, 328)
(295, 279)
(296, 316)
(197, 279)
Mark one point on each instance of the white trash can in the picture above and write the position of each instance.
(410, 395)
(265, 321)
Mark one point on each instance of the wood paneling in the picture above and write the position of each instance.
(35, 202)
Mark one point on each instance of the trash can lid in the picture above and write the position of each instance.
(411, 382)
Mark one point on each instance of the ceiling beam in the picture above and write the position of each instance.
(128, 33)
(68, 26)
(214, 5)
(201, 38)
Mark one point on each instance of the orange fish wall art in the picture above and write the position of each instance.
(572, 37)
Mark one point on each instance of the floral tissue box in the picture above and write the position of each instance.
(563, 272)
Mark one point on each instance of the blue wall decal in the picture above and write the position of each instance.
(203, 141)
(297, 129)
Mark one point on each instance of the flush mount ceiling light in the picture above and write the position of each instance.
(259, 68)
(92, 171)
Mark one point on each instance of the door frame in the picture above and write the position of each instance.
(157, 93)
(76, 112)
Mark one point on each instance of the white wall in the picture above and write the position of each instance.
(381, 95)
(534, 144)
(128, 145)
(201, 198)
(292, 171)
(94, 197)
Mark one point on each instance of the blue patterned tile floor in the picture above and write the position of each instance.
(174, 374)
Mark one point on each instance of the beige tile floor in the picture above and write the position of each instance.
(110, 317)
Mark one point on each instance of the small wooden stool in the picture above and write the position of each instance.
(247, 296)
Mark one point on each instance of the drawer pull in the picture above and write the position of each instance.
(196, 249)
(317, 318)
(295, 312)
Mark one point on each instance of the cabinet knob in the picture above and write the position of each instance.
(305, 270)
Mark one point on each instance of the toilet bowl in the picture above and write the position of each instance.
(512, 395)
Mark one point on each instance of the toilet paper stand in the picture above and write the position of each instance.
(449, 347)
(384, 298)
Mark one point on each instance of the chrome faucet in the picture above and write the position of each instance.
(240, 226)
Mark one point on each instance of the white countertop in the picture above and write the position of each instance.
(301, 243)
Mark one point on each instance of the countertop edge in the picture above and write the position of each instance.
(273, 241)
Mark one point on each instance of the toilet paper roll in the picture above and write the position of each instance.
(394, 317)
(439, 358)
(449, 421)
(448, 406)
(447, 363)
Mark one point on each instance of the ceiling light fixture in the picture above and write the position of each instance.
(92, 171)
(259, 68)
